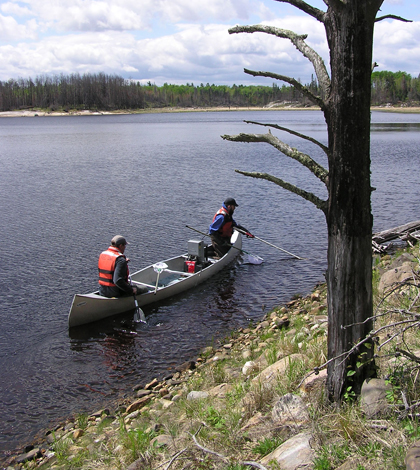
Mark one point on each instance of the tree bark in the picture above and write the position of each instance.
(349, 26)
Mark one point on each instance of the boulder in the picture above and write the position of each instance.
(270, 374)
(412, 459)
(295, 453)
(220, 391)
(396, 275)
(373, 397)
(137, 404)
(194, 395)
(290, 410)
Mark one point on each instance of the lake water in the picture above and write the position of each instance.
(68, 184)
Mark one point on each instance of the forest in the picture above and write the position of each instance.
(111, 92)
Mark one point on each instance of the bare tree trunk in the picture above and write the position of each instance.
(349, 29)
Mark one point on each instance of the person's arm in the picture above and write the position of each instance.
(120, 275)
(217, 224)
(240, 227)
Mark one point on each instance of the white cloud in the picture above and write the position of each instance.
(11, 30)
(397, 46)
(14, 9)
(103, 36)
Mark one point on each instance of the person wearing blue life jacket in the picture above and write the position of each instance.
(221, 228)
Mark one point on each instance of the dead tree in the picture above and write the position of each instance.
(345, 102)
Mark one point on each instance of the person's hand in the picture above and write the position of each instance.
(249, 235)
(135, 290)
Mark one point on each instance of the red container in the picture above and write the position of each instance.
(190, 266)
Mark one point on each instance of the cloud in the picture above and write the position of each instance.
(11, 30)
(128, 15)
(397, 46)
(104, 37)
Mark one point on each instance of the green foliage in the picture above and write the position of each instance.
(82, 421)
(137, 440)
(214, 418)
(267, 445)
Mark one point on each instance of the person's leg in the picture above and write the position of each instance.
(220, 245)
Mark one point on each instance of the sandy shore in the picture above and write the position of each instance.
(38, 113)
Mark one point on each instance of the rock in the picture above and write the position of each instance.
(136, 465)
(246, 354)
(197, 395)
(143, 393)
(31, 455)
(269, 375)
(138, 404)
(166, 403)
(396, 275)
(281, 323)
(220, 391)
(132, 416)
(163, 440)
(249, 367)
(151, 384)
(78, 433)
(189, 365)
(99, 413)
(314, 383)
(290, 410)
(293, 454)
(256, 420)
(412, 459)
(373, 397)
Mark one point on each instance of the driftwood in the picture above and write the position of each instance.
(406, 232)
(398, 232)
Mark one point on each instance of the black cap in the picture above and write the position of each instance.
(119, 240)
(230, 202)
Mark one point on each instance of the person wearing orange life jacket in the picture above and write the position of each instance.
(221, 228)
(113, 271)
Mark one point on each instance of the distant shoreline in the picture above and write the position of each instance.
(86, 112)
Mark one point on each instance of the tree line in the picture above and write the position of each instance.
(109, 92)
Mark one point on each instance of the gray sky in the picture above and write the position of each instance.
(181, 41)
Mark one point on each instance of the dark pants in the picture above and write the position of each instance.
(220, 244)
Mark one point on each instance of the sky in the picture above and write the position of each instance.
(181, 41)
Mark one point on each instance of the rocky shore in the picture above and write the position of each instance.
(257, 399)
(87, 112)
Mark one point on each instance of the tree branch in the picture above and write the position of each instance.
(319, 203)
(315, 99)
(297, 134)
(298, 41)
(306, 8)
(393, 17)
(318, 170)
(409, 355)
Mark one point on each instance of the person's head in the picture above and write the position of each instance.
(119, 242)
(230, 204)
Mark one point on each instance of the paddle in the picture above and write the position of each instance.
(253, 259)
(139, 315)
(268, 243)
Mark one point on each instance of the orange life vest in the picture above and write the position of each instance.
(106, 265)
(226, 229)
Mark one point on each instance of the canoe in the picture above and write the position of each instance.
(164, 279)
